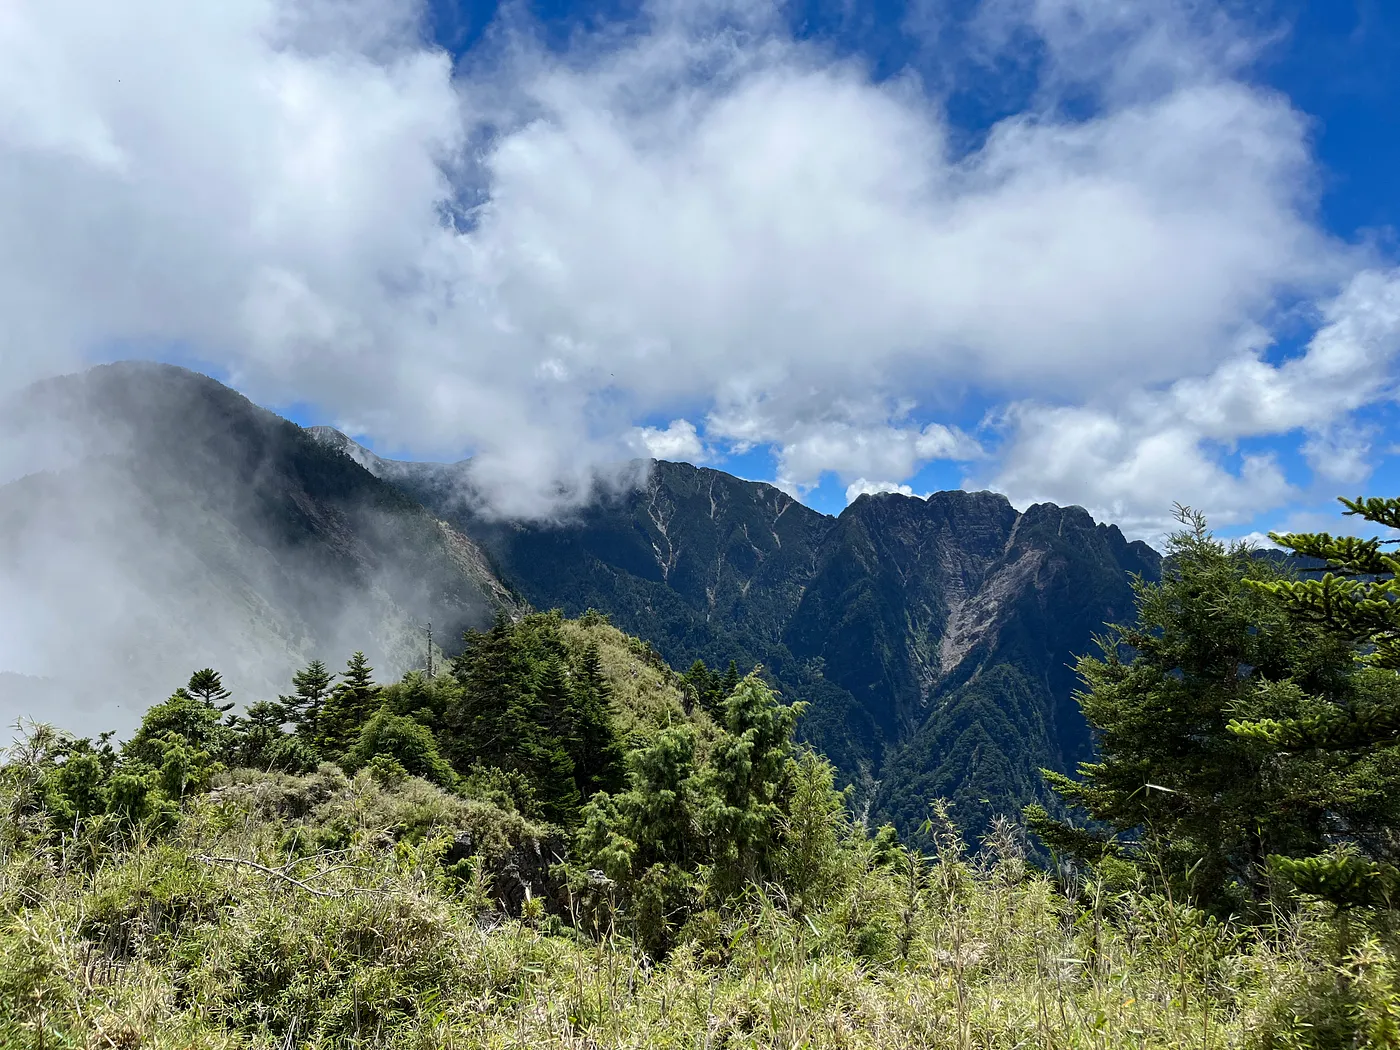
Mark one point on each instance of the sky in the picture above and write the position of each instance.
(1099, 252)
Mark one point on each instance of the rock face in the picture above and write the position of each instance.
(955, 621)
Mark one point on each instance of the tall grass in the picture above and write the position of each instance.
(240, 928)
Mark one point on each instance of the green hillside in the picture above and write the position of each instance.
(557, 841)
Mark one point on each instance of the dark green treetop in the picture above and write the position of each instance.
(1175, 795)
(349, 706)
(207, 685)
(1357, 734)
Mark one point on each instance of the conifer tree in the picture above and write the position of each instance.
(655, 821)
(311, 685)
(1176, 794)
(594, 746)
(1356, 734)
(489, 722)
(747, 781)
(548, 742)
(727, 684)
(400, 738)
(703, 684)
(207, 685)
(349, 707)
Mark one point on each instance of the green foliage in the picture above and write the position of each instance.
(183, 720)
(708, 689)
(687, 833)
(207, 685)
(1175, 793)
(327, 910)
(349, 706)
(258, 740)
(529, 702)
(311, 686)
(405, 741)
(747, 784)
(1346, 743)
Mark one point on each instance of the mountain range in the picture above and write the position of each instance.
(177, 524)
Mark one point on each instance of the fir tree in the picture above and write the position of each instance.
(488, 723)
(702, 687)
(727, 684)
(206, 685)
(548, 742)
(311, 685)
(1174, 793)
(655, 821)
(348, 708)
(1354, 737)
(746, 782)
(593, 741)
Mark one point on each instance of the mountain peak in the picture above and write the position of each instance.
(341, 442)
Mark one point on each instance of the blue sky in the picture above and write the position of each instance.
(1111, 254)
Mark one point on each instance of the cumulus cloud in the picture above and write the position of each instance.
(679, 441)
(523, 256)
(1129, 460)
(861, 487)
(848, 451)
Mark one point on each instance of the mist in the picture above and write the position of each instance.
(168, 524)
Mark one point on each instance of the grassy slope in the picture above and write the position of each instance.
(373, 946)
(646, 692)
(323, 911)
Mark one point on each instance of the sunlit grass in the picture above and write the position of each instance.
(236, 931)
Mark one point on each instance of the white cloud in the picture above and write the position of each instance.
(850, 450)
(861, 487)
(693, 214)
(679, 441)
(1129, 461)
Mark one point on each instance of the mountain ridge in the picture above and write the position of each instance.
(933, 637)
(173, 522)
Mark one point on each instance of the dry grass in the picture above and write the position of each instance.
(148, 945)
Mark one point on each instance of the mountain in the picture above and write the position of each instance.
(932, 638)
(178, 525)
(175, 524)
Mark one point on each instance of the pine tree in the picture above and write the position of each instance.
(594, 746)
(747, 781)
(655, 821)
(1354, 736)
(546, 747)
(1175, 793)
(727, 684)
(311, 685)
(489, 722)
(349, 707)
(702, 685)
(206, 685)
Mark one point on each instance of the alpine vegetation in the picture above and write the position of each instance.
(560, 841)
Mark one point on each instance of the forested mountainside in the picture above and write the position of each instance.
(153, 518)
(933, 638)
